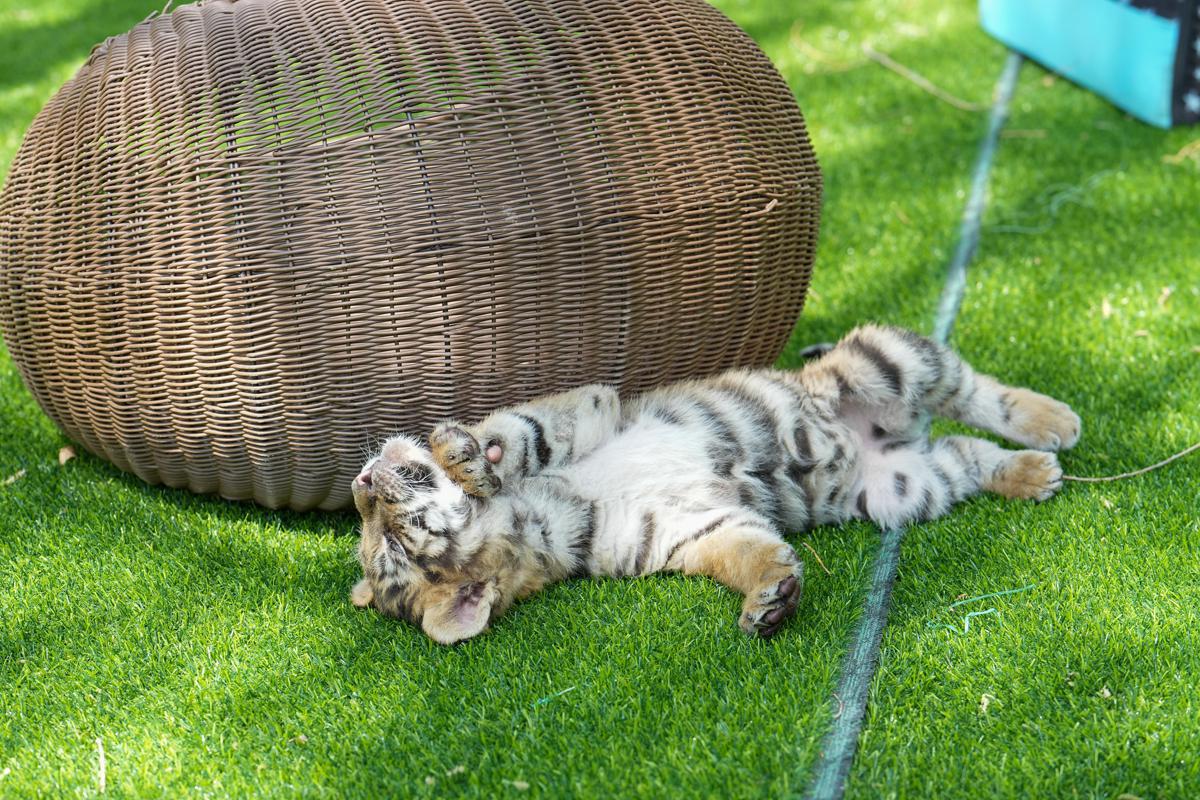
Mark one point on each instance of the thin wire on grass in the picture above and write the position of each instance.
(966, 621)
(1136, 472)
(967, 618)
(992, 594)
(1058, 195)
(919, 80)
(548, 698)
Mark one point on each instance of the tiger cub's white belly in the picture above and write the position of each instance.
(650, 474)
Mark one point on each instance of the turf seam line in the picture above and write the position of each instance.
(968, 232)
(862, 659)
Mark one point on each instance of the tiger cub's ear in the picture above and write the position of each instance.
(458, 611)
(362, 594)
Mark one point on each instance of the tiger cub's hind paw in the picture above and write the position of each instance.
(1027, 475)
(1041, 422)
(765, 611)
(459, 454)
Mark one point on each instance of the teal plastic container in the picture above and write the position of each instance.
(1143, 55)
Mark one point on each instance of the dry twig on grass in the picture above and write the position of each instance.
(1189, 150)
(817, 557)
(1136, 472)
(920, 80)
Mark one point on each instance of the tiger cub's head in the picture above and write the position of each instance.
(413, 516)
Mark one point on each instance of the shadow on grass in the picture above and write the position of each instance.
(260, 644)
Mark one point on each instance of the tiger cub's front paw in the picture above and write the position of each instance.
(459, 453)
(765, 610)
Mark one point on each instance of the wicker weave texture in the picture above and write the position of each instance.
(249, 239)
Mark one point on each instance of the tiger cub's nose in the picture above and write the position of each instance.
(364, 477)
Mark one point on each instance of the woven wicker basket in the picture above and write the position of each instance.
(248, 239)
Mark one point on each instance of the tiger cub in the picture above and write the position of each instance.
(700, 477)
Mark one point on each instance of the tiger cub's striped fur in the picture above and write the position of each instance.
(700, 477)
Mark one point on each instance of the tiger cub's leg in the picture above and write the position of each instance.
(918, 484)
(896, 377)
(742, 551)
(1019, 415)
(523, 440)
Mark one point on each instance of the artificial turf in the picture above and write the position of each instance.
(210, 648)
(1087, 287)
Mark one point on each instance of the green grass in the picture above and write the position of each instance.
(1094, 672)
(211, 648)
